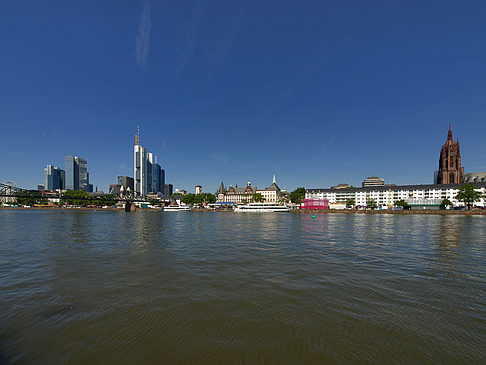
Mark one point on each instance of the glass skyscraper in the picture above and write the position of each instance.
(148, 176)
(77, 176)
(54, 178)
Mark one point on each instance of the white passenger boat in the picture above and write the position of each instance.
(176, 208)
(261, 208)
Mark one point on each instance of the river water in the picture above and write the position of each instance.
(84, 287)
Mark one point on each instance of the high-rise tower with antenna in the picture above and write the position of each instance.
(147, 174)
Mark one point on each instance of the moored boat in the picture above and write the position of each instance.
(176, 208)
(262, 208)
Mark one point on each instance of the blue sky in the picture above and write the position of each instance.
(318, 92)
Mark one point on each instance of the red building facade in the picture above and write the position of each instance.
(450, 169)
(313, 203)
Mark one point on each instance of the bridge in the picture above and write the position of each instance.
(10, 192)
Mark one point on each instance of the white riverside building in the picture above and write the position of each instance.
(388, 195)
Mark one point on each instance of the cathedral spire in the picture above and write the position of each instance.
(274, 179)
(449, 134)
(450, 168)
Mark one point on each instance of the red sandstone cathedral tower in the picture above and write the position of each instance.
(450, 170)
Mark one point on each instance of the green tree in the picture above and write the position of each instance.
(76, 197)
(371, 203)
(189, 199)
(446, 203)
(108, 200)
(401, 203)
(30, 197)
(350, 202)
(284, 198)
(468, 195)
(208, 198)
(257, 198)
(297, 195)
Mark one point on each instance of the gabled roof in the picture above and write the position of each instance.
(274, 186)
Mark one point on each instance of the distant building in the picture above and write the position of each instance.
(235, 195)
(161, 186)
(272, 193)
(155, 196)
(388, 195)
(373, 181)
(126, 181)
(198, 189)
(168, 190)
(313, 203)
(450, 169)
(341, 186)
(474, 177)
(41, 187)
(89, 188)
(148, 175)
(77, 177)
(54, 178)
(436, 175)
(158, 178)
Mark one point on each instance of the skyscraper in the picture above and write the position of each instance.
(450, 169)
(146, 171)
(168, 190)
(126, 182)
(77, 176)
(54, 178)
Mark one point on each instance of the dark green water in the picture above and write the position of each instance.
(182, 287)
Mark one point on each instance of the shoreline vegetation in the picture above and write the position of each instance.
(298, 211)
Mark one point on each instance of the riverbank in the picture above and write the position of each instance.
(298, 211)
(385, 211)
(74, 209)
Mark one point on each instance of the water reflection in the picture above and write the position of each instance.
(449, 233)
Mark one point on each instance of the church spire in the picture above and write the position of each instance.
(274, 179)
(449, 134)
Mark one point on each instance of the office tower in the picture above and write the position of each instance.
(77, 176)
(146, 171)
(54, 178)
(125, 181)
(168, 191)
(139, 167)
(162, 181)
(158, 178)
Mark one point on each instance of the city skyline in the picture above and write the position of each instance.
(189, 186)
(320, 95)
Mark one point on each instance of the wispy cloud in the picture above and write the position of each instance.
(142, 42)
(220, 157)
(187, 38)
(221, 36)
(219, 46)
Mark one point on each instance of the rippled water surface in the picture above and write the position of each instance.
(183, 287)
